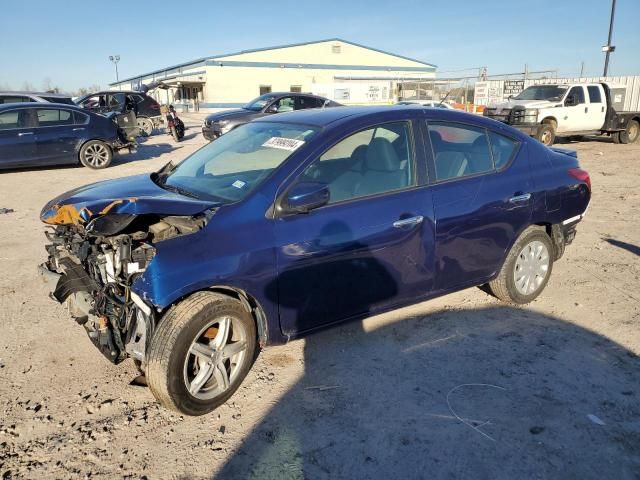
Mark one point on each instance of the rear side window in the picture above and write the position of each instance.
(53, 117)
(14, 99)
(459, 150)
(9, 120)
(502, 148)
(594, 94)
(80, 118)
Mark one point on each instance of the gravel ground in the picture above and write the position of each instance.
(458, 387)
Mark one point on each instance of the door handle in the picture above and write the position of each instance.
(406, 222)
(586, 109)
(22, 134)
(77, 129)
(520, 198)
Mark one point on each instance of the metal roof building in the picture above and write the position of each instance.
(335, 68)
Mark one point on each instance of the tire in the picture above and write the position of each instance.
(546, 134)
(146, 126)
(528, 252)
(174, 134)
(616, 137)
(631, 134)
(96, 154)
(172, 367)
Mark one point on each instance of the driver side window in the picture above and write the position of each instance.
(578, 94)
(370, 162)
(284, 104)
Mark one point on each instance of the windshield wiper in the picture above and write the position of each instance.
(180, 190)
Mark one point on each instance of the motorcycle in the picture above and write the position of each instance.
(174, 124)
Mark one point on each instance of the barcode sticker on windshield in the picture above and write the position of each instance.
(290, 144)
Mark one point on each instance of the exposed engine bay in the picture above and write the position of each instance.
(92, 265)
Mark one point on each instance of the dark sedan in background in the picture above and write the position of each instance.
(38, 134)
(218, 124)
(42, 97)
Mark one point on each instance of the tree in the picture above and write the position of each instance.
(27, 87)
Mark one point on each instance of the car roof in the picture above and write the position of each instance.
(322, 117)
(38, 94)
(25, 105)
(294, 94)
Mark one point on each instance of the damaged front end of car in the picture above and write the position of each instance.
(93, 262)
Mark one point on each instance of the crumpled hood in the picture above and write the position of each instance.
(130, 195)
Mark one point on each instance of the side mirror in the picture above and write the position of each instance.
(273, 108)
(306, 196)
(570, 101)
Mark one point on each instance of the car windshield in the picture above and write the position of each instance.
(228, 169)
(259, 103)
(542, 92)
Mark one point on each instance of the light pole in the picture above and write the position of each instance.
(608, 48)
(115, 59)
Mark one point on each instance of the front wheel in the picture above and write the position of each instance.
(96, 154)
(200, 353)
(546, 134)
(526, 269)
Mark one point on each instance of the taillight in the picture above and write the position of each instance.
(581, 175)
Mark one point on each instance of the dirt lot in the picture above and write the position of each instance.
(458, 387)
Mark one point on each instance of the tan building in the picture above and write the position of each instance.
(335, 68)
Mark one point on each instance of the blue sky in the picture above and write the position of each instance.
(69, 41)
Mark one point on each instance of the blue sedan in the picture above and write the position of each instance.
(298, 221)
(33, 134)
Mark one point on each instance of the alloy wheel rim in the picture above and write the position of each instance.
(96, 155)
(546, 138)
(144, 126)
(215, 357)
(531, 268)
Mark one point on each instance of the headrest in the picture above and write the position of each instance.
(382, 156)
(360, 153)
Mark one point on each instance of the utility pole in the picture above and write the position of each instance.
(581, 69)
(115, 59)
(608, 48)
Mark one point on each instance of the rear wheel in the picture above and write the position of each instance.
(146, 126)
(631, 134)
(526, 269)
(174, 134)
(200, 353)
(546, 134)
(96, 154)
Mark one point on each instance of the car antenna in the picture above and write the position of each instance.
(445, 97)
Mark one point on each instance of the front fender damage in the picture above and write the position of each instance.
(93, 261)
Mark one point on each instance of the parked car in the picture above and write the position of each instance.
(147, 110)
(294, 222)
(20, 97)
(218, 124)
(425, 103)
(36, 134)
(570, 110)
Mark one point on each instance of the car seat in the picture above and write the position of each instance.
(382, 169)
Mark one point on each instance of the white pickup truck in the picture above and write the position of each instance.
(570, 110)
